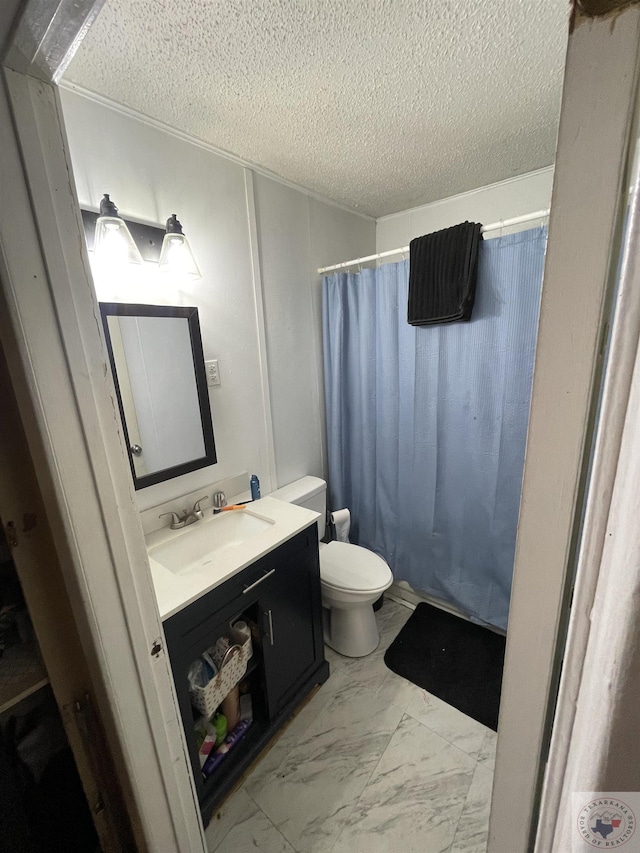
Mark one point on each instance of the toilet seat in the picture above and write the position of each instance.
(351, 568)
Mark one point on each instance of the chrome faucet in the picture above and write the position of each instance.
(187, 517)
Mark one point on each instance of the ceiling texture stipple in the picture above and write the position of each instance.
(380, 105)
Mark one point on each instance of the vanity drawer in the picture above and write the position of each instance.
(272, 569)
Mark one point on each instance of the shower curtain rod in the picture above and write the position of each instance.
(504, 223)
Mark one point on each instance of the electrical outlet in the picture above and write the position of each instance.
(213, 377)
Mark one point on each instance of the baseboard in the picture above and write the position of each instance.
(402, 593)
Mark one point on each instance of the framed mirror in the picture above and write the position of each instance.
(158, 369)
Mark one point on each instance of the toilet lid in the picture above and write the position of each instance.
(351, 567)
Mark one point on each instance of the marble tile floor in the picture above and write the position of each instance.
(372, 763)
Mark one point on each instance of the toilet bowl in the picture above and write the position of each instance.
(352, 578)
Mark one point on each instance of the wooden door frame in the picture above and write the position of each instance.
(585, 750)
(51, 332)
(587, 210)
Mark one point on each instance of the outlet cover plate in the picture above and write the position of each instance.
(213, 376)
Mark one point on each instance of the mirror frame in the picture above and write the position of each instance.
(126, 309)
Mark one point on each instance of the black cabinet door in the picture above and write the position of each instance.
(291, 632)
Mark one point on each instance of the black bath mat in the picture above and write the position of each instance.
(455, 660)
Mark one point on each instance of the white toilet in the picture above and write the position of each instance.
(351, 577)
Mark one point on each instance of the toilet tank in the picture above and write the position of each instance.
(310, 492)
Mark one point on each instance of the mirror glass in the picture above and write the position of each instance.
(158, 369)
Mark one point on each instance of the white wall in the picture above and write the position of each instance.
(150, 172)
(513, 197)
(298, 234)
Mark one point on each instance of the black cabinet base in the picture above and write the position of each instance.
(253, 743)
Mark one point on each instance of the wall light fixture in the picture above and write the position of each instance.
(117, 243)
(113, 244)
(176, 256)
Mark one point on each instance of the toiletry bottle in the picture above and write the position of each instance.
(216, 758)
(255, 487)
(220, 726)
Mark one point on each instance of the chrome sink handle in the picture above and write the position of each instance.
(196, 512)
(176, 521)
(219, 500)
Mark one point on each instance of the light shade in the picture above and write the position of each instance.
(176, 257)
(113, 245)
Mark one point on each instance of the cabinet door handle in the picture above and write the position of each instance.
(268, 616)
(255, 583)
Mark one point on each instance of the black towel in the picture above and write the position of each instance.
(443, 268)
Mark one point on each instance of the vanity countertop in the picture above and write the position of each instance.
(177, 591)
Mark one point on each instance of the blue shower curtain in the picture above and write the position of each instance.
(427, 426)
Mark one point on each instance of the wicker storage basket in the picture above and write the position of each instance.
(207, 699)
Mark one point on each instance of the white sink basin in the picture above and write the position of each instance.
(187, 564)
(197, 545)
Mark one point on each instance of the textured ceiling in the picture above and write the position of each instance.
(378, 104)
